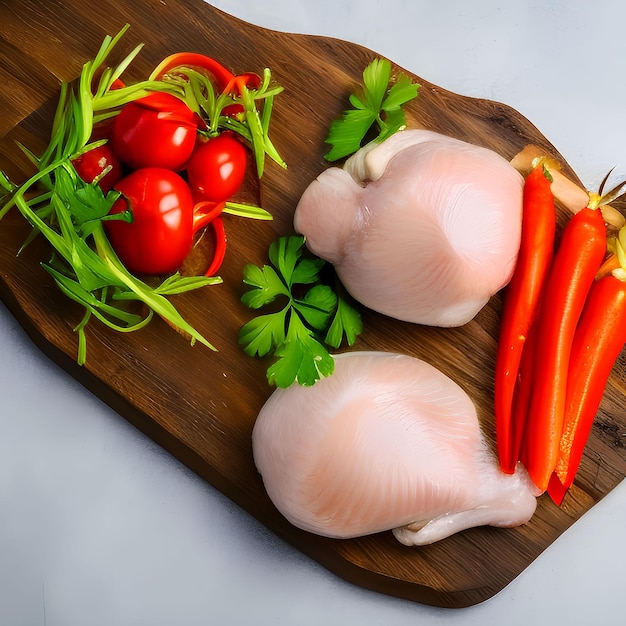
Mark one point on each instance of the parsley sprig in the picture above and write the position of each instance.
(378, 102)
(301, 331)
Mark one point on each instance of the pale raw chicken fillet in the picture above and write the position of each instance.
(421, 227)
(387, 442)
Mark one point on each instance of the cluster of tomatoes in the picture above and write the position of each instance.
(172, 181)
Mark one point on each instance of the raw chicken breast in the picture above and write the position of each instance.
(421, 227)
(387, 442)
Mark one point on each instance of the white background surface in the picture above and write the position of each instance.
(100, 527)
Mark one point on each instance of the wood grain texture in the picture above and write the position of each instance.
(201, 405)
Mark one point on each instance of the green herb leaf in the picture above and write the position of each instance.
(301, 359)
(379, 102)
(307, 271)
(6, 186)
(177, 284)
(296, 333)
(346, 134)
(284, 254)
(317, 306)
(376, 80)
(346, 323)
(263, 334)
(393, 122)
(266, 283)
(403, 91)
(242, 209)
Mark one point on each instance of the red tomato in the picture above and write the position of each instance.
(217, 168)
(156, 131)
(92, 163)
(161, 233)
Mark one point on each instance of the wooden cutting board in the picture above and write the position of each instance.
(201, 405)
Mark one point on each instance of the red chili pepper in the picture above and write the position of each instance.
(580, 253)
(599, 339)
(520, 304)
(209, 214)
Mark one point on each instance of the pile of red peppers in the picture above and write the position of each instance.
(563, 326)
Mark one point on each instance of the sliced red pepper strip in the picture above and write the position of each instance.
(219, 233)
(223, 76)
(208, 214)
(580, 254)
(599, 339)
(249, 80)
(205, 212)
(520, 306)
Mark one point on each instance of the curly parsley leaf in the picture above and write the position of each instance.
(310, 320)
(379, 102)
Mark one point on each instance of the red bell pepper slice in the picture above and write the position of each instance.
(209, 214)
(219, 233)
